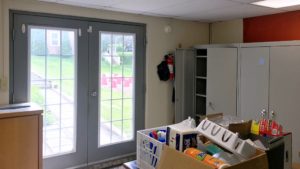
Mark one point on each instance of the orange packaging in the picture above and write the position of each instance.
(207, 159)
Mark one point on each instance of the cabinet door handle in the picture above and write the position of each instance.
(272, 114)
(210, 104)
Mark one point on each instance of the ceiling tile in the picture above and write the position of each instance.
(193, 7)
(244, 1)
(147, 5)
(90, 3)
(292, 8)
(234, 12)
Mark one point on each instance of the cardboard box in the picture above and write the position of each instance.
(296, 166)
(172, 159)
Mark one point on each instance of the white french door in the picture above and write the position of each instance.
(117, 78)
(89, 79)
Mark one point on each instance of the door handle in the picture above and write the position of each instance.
(93, 94)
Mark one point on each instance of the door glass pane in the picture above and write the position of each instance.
(53, 85)
(116, 85)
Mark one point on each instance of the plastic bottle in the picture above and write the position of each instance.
(205, 158)
(263, 123)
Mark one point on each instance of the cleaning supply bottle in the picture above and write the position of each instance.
(271, 123)
(275, 128)
(205, 158)
(263, 123)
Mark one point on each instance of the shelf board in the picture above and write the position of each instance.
(200, 77)
(201, 56)
(200, 95)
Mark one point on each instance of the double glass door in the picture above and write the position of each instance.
(89, 79)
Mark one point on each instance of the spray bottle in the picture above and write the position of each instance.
(263, 123)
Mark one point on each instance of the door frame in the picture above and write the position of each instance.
(12, 36)
(20, 12)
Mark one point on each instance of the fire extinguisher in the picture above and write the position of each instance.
(170, 62)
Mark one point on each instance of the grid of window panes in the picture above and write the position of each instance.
(52, 72)
(116, 86)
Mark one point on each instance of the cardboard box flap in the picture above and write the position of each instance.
(259, 161)
(172, 159)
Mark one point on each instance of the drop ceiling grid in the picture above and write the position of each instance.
(149, 5)
(200, 10)
(229, 13)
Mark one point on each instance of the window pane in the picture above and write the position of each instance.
(116, 87)
(51, 142)
(105, 90)
(53, 54)
(52, 92)
(105, 133)
(105, 111)
(128, 130)
(68, 55)
(52, 116)
(128, 87)
(67, 91)
(118, 49)
(128, 56)
(127, 108)
(67, 115)
(38, 92)
(52, 67)
(117, 110)
(116, 131)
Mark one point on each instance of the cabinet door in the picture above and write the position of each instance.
(184, 84)
(285, 91)
(254, 81)
(19, 143)
(221, 80)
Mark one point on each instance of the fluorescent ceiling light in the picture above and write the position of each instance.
(277, 3)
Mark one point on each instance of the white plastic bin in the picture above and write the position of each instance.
(148, 149)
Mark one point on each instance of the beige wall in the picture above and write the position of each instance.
(227, 31)
(159, 109)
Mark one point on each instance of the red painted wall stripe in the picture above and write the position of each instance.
(277, 27)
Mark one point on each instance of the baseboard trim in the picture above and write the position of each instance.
(107, 163)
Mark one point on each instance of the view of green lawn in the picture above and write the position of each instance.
(38, 97)
(63, 68)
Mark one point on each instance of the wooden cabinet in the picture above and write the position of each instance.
(21, 138)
